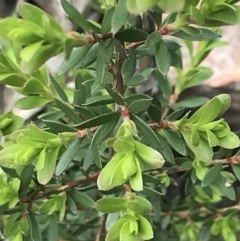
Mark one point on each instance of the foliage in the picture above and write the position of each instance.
(103, 162)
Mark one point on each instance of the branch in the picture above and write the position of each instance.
(61, 189)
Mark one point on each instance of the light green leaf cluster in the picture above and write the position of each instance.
(132, 225)
(201, 132)
(126, 164)
(33, 145)
(40, 36)
(9, 191)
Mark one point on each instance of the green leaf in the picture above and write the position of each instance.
(80, 94)
(139, 105)
(31, 102)
(129, 65)
(156, 141)
(207, 112)
(119, 16)
(59, 89)
(163, 83)
(111, 204)
(225, 102)
(103, 133)
(190, 103)
(82, 198)
(134, 97)
(135, 180)
(212, 175)
(236, 170)
(163, 58)
(145, 228)
(111, 175)
(114, 232)
(85, 113)
(175, 141)
(196, 15)
(100, 63)
(45, 174)
(134, 81)
(202, 151)
(68, 111)
(34, 14)
(99, 100)
(205, 34)
(75, 58)
(34, 227)
(132, 35)
(116, 97)
(26, 177)
(229, 141)
(98, 120)
(203, 74)
(75, 16)
(68, 156)
(148, 155)
(140, 6)
(58, 127)
(126, 233)
(106, 23)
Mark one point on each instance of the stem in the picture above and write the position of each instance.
(101, 229)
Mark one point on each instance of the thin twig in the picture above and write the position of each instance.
(101, 229)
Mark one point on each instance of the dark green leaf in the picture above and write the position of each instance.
(236, 170)
(205, 34)
(135, 97)
(175, 141)
(80, 95)
(89, 58)
(129, 65)
(106, 23)
(82, 198)
(119, 16)
(132, 35)
(68, 111)
(211, 175)
(98, 120)
(190, 103)
(99, 100)
(134, 81)
(75, 15)
(26, 178)
(163, 84)
(139, 105)
(53, 229)
(84, 112)
(163, 58)
(58, 127)
(117, 98)
(68, 156)
(96, 156)
(34, 227)
(157, 17)
(76, 57)
(103, 132)
(155, 112)
(59, 89)
(100, 63)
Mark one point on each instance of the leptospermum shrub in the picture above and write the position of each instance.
(103, 162)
